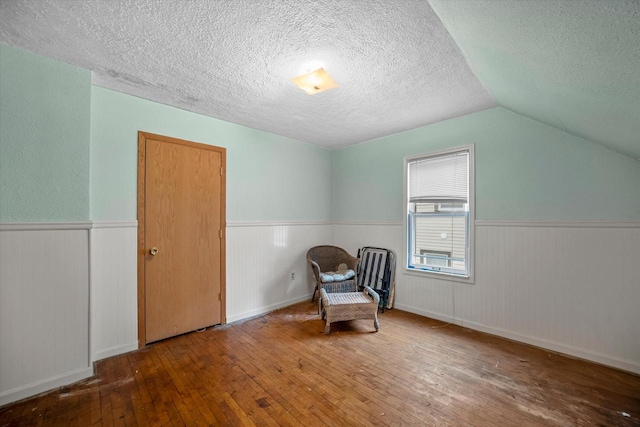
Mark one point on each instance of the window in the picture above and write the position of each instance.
(439, 213)
(435, 258)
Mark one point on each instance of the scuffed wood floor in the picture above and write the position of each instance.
(280, 369)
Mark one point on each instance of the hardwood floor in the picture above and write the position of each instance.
(281, 370)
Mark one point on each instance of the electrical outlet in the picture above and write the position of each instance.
(293, 275)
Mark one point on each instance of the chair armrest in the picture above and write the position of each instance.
(373, 294)
(316, 269)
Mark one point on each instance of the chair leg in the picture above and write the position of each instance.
(376, 322)
(313, 297)
(327, 328)
(384, 298)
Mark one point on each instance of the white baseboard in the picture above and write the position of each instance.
(427, 313)
(267, 309)
(114, 351)
(47, 384)
(625, 365)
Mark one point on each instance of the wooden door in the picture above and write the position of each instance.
(182, 242)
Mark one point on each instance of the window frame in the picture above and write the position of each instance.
(440, 275)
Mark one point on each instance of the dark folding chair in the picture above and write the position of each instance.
(376, 269)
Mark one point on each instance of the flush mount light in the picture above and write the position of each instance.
(315, 82)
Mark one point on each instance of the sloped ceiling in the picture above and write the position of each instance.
(397, 66)
(574, 65)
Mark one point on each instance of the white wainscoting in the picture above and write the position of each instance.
(260, 260)
(572, 287)
(44, 307)
(114, 289)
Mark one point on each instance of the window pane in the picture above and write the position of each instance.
(440, 232)
(438, 213)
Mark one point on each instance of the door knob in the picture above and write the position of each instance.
(153, 251)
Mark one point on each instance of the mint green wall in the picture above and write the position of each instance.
(44, 139)
(269, 177)
(525, 170)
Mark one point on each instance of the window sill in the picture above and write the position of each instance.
(438, 276)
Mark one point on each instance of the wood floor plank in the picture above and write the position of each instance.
(281, 369)
(302, 391)
(331, 360)
(194, 390)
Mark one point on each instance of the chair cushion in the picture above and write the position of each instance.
(337, 276)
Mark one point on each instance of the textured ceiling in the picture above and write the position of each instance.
(574, 65)
(397, 66)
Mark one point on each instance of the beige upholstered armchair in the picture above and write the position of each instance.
(333, 268)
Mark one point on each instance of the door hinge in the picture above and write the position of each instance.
(220, 171)
(221, 234)
(219, 296)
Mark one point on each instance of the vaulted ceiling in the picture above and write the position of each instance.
(400, 64)
(572, 64)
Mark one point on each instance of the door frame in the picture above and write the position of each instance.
(142, 145)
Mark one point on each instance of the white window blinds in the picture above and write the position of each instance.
(440, 179)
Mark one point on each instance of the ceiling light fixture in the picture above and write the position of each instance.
(315, 82)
